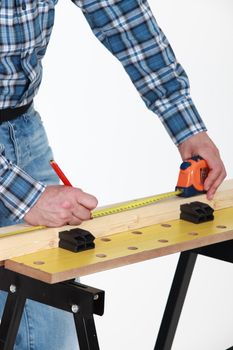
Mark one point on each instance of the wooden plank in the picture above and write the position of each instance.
(26, 243)
(125, 248)
(162, 211)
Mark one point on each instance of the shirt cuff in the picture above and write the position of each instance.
(180, 118)
(18, 190)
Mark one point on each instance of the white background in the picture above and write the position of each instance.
(110, 145)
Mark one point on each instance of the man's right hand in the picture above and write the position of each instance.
(61, 205)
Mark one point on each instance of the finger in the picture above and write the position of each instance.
(216, 184)
(216, 169)
(81, 212)
(74, 221)
(86, 200)
(55, 223)
(211, 178)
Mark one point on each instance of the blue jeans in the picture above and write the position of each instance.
(42, 327)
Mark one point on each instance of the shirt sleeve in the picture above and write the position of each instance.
(18, 190)
(128, 29)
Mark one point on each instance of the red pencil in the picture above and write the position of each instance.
(60, 173)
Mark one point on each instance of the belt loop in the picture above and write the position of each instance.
(14, 141)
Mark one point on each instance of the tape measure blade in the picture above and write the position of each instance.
(21, 231)
(104, 211)
(133, 204)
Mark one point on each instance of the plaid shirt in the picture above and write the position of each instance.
(129, 31)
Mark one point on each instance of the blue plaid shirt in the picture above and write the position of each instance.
(129, 31)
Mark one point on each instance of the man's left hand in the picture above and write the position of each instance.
(201, 144)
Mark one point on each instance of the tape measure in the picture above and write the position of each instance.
(193, 173)
(133, 204)
(117, 208)
(23, 230)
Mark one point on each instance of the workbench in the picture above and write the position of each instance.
(46, 273)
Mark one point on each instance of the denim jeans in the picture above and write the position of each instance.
(42, 327)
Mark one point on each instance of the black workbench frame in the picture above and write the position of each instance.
(81, 300)
(84, 301)
(222, 251)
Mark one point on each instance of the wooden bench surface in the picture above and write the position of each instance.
(131, 246)
(166, 210)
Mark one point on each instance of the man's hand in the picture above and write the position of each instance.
(200, 144)
(61, 205)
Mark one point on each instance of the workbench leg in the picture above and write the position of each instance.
(175, 300)
(86, 332)
(83, 301)
(10, 321)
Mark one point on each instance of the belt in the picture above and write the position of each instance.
(8, 114)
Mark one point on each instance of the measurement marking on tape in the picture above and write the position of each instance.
(137, 203)
(114, 209)
(23, 230)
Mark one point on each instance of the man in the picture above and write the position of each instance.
(29, 189)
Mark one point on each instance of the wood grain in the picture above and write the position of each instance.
(26, 243)
(56, 265)
(159, 212)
